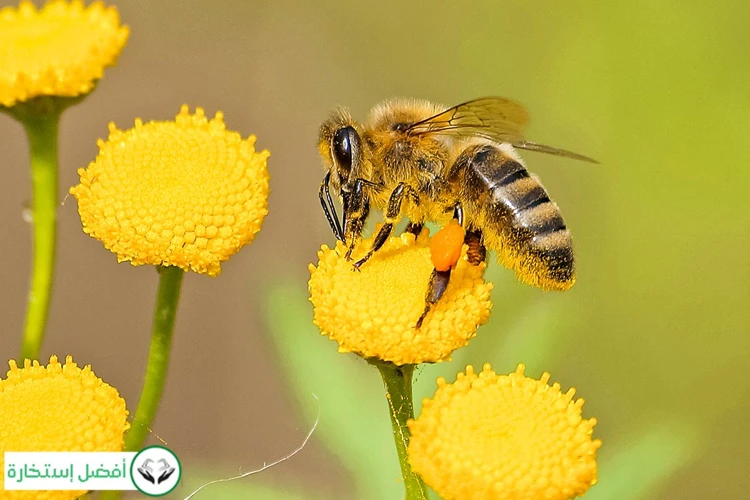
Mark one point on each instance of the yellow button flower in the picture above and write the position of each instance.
(60, 50)
(503, 437)
(374, 312)
(186, 193)
(57, 408)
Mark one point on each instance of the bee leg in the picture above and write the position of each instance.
(435, 290)
(477, 253)
(356, 209)
(329, 209)
(439, 279)
(391, 213)
(355, 227)
(414, 228)
(458, 213)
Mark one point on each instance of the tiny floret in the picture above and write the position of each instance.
(60, 50)
(374, 311)
(58, 408)
(185, 193)
(503, 437)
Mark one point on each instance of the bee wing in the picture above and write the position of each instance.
(495, 118)
(541, 148)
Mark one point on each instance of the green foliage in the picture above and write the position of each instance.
(354, 423)
(637, 469)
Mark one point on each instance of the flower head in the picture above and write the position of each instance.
(60, 50)
(187, 193)
(374, 312)
(58, 408)
(503, 437)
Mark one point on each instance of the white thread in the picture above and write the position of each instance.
(265, 466)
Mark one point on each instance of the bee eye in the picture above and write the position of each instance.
(342, 147)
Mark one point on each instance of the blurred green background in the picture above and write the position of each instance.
(654, 335)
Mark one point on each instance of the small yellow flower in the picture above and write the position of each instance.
(60, 50)
(503, 437)
(186, 193)
(374, 312)
(58, 408)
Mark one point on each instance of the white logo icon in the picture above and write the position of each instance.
(155, 471)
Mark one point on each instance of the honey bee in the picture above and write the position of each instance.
(427, 162)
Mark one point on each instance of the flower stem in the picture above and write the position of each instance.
(41, 131)
(167, 299)
(170, 282)
(398, 385)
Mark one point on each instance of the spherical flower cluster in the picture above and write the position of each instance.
(503, 437)
(187, 193)
(374, 311)
(58, 408)
(60, 50)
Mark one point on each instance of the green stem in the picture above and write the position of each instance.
(42, 133)
(167, 299)
(170, 281)
(398, 385)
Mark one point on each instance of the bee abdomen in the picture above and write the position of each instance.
(518, 218)
(529, 205)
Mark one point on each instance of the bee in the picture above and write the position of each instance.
(426, 162)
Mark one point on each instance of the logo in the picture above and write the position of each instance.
(155, 471)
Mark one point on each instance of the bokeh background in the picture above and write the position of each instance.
(654, 335)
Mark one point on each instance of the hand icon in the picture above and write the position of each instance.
(166, 470)
(146, 471)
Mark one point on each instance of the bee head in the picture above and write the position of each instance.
(340, 146)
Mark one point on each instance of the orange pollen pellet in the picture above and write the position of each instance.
(445, 246)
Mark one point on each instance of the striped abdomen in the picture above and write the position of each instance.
(516, 216)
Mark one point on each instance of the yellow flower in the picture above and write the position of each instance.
(374, 312)
(186, 193)
(503, 437)
(58, 408)
(60, 50)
